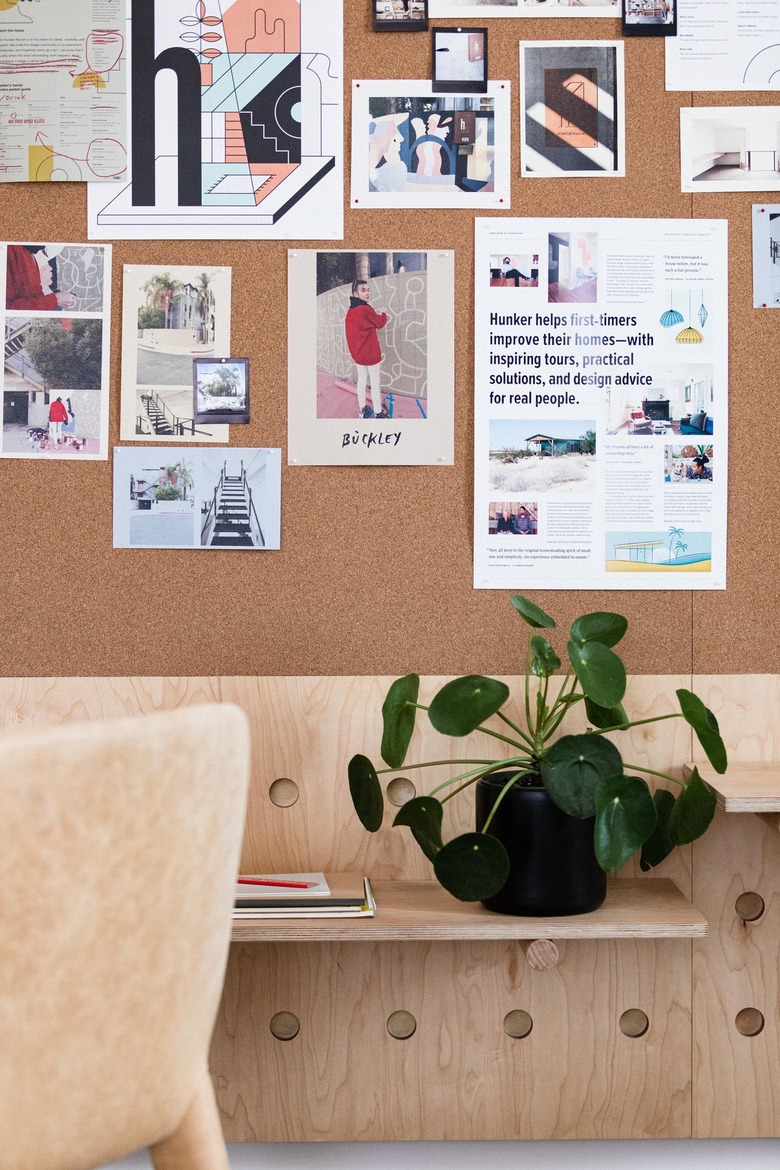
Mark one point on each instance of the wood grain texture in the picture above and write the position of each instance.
(460, 1076)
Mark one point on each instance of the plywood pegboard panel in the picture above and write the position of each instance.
(374, 574)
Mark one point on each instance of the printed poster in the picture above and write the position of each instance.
(171, 314)
(412, 147)
(234, 123)
(370, 358)
(55, 380)
(601, 433)
(63, 80)
(197, 497)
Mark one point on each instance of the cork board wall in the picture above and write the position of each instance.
(375, 569)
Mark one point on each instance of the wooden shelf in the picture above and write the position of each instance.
(646, 908)
(753, 788)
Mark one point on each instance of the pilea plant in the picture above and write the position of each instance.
(584, 774)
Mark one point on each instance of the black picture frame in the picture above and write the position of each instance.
(444, 73)
(389, 17)
(649, 18)
(235, 408)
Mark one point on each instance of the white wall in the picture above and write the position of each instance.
(746, 1154)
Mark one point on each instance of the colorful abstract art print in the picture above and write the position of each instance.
(235, 123)
(412, 147)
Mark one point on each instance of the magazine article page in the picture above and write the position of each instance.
(600, 443)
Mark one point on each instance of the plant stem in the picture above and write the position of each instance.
(498, 800)
(523, 735)
(478, 774)
(636, 723)
(430, 764)
(652, 772)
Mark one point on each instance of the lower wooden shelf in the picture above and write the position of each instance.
(408, 910)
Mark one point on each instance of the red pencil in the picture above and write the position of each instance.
(244, 881)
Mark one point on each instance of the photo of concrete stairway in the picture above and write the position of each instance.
(232, 526)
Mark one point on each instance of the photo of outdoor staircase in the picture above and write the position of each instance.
(231, 520)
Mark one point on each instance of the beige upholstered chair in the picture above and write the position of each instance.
(119, 846)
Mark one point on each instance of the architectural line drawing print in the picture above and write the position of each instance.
(62, 91)
(258, 133)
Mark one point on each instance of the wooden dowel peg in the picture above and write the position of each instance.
(541, 954)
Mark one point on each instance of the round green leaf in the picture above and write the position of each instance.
(544, 661)
(461, 705)
(398, 715)
(605, 716)
(693, 810)
(660, 843)
(705, 725)
(573, 769)
(366, 792)
(606, 628)
(423, 815)
(600, 672)
(531, 613)
(472, 867)
(625, 818)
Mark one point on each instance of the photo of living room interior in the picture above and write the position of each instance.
(677, 403)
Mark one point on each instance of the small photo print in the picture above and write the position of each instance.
(513, 518)
(400, 15)
(459, 61)
(220, 390)
(572, 103)
(531, 456)
(51, 278)
(519, 270)
(673, 550)
(766, 256)
(688, 464)
(649, 18)
(730, 148)
(572, 267)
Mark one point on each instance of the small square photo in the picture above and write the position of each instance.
(649, 18)
(459, 60)
(400, 15)
(220, 390)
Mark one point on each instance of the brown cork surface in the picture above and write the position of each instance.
(374, 574)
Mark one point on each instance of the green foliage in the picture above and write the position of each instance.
(68, 354)
(584, 774)
(167, 491)
(150, 317)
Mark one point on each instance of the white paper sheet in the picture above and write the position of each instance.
(197, 497)
(256, 151)
(414, 148)
(55, 379)
(458, 9)
(725, 44)
(600, 448)
(63, 74)
(405, 341)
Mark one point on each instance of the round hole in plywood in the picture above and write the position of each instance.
(401, 1025)
(285, 1026)
(749, 906)
(749, 1021)
(283, 792)
(518, 1024)
(400, 790)
(634, 1023)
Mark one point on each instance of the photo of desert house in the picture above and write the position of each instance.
(529, 456)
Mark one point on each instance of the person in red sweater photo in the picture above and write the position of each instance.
(58, 414)
(31, 280)
(362, 325)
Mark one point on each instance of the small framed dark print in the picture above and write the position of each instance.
(220, 388)
(459, 60)
(400, 15)
(649, 18)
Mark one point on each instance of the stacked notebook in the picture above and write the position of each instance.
(304, 895)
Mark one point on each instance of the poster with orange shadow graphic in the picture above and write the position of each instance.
(63, 91)
(572, 102)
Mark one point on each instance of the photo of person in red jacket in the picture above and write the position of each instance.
(31, 279)
(58, 414)
(362, 325)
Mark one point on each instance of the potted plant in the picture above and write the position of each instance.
(585, 791)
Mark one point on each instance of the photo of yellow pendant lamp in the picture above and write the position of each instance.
(671, 316)
(689, 334)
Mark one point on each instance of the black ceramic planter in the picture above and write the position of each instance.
(553, 867)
